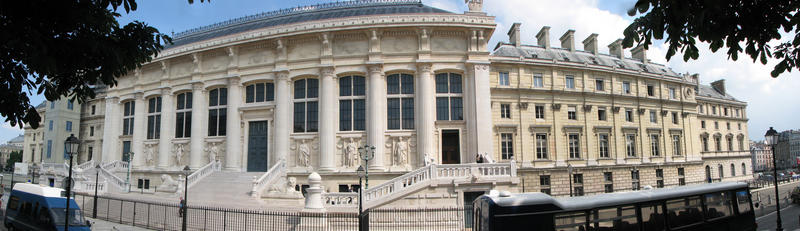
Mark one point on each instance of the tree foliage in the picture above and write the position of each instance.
(62, 48)
(739, 25)
(14, 157)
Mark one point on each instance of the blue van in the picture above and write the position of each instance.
(34, 207)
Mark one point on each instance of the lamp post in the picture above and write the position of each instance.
(569, 171)
(71, 145)
(772, 139)
(367, 153)
(186, 171)
(363, 219)
(128, 176)
(96, 181)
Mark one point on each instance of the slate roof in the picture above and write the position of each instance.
(561, 54)
(708, 91)
(18, 139)
(304, 14)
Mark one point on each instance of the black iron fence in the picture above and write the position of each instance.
(761, 183)
(167, 216)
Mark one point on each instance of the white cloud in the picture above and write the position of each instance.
(7, 126)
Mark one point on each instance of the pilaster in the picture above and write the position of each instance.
(282, 110)
(139, 129)
(198, 128)
(167, 127)
(233, 152)
(425, 110)
(376, 99)
(110, 129)
(327, 113)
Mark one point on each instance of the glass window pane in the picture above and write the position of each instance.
(442, 105)
(311, 115)
(300, 89)
(652, 217)
(151, 105)
(359, 85)
(270, 92)
(408, 113)
(222, 121)
(188, 100)
(344, 86)
(743, 201)
(574, 221)
(179, 125)
(359, 115)
(345, 115)
(158, 104)
(684, 212)
(718, 205)
(456, 108)
(181, 101)
(188, 125)
(393, 84)
(441, 83)
(213, 97)
(313, 88)
(223, 96)
(212, 122)
(407, 83)
(260, 92)
(300, 117)
(455, 83)
(249, 94)
(393, 113)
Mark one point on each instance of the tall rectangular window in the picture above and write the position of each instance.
(69, 126)
(672, 94)
(541, 145)
(630, 145)
(154, 118)
(728, 125)
(601, 113)
(183, 115)
(503, 78)
(701, 108)
(539, 111)
(653, 117)
(218, 111)
(718, 143)
(259, 92)
(577, 180)
(702, 124)
(572, 113)
(49, 148)
(544, 184)
(400, 101)
(70, 105)
(91, 131)
(50, 126)
(635, 180)
(681, 177)
(651, 90)
(676, 145)
(507, 145)
(626, 87)
(716, 125)
(654, 149)
(714, 110)
(574, 146)
(505, 111)
(608, 179)
(538, 81)
(94, 109)
(659, 178)
(629, 115)
(730, 143)
(704, 140)
(599, 85)
(449, 104)
(127, 117)
(674, 118)
(603, 145)
(570, 81)
(352, 103)
(306, 105)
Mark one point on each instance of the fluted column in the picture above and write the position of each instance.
(233, 144)
(167, 127)
(425, 111)
(110, 129)
(198, 132)
(376, 99)
(139, 129)
(282, 98)
(327, 113)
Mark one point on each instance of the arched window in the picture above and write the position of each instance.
(352, 101)
(259, 92)
(708, 174)
(217, 111)
(400, 101)
(733, 170)
(721, 172)
(744, 170)
(183, 115)
(449, 105)
(306, 93)
(154, 117)
(127, 118)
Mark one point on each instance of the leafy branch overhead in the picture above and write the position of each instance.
(61, 49)
(739, 25)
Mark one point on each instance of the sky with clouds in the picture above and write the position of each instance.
(771, 101)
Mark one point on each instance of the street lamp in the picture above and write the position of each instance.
(128, 177)
(71, 145)
(772, 139)
(186, 171)
(367, 153)
(96, 181)
(363, 223)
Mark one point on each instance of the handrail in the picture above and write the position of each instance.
(279, 169)
(204, 171)
(85, 165)
(340, 199)
(114, 165)
(113, 179)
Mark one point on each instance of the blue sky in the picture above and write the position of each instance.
(771, 101)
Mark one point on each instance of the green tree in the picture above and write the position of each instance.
(739, 25)
(62, 48)
(14, 157)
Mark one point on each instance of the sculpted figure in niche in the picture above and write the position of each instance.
(350, 153)
(400, 151)
(304, 154)
(178, 153)
(168, 184)
(212, 150)
(428, 159)
(148, 154)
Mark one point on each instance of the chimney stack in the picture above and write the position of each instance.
(615, 49)
(719, 85)
(513, 34)
(568, 40)
(590, 44)
(543, 37)
(639, 53)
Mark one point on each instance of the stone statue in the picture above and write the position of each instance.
(400, 152)
(350, 153)
(487, 158)
(178, 154)
(212, 150)
(284, 188)
(428, 159)
(148, 154)
(168, 184)
(304, 154)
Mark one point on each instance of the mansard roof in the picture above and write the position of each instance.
(708, 91)
(304, 14)
(564, 55)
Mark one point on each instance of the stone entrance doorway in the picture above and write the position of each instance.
(257, 160)
(451, 153)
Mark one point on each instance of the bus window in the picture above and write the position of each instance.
(13, 203)
(652, 217)
(622, 218)
(718, 204)
(44, 216)
(570, 221)
(744, 201)
(684, 211)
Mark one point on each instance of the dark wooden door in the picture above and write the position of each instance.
(257, 160)
(451, 153)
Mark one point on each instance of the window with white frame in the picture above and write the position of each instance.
(701, 109)
(714, 110)
(507, 146)
(400, 101)
(91, 131)
(601, 113)
(539, 111)
(635, 179)
(676, 145)
(50, 126)
(70, 105)
(572, 113)
(505, 111)
(449, 104)
(503, 78)
(574, 146)
(741, 143)
(599, 85)
(69, 126)
(217, 111)
(183, 115)
(352, 103)
(672, 94)
(306, 105)
(154, 117)
(737, 113)
(718, 143)
(653, 117)
(570, 81)
(704, 140)
(674, 118)
(630, 145)
(602, 139)
(538, 80)
(651, 90)
(654, 145)
(127, 117)
(626, 87)
(541, 145)
(659, 178)
(629, 115)
(730, 143)
(259, 92)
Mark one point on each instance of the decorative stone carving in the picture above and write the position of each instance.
(429, 159)
(474, 5)
(350, 152)
(284, 188)
(168, 184)
(303, 154)
(485, 158)
(149, 153)
(400, 152)
(212, 150)
(179, 152)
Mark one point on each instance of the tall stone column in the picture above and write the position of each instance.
(198, 131)
(110, 133)
(425, 111)
(139, 129)
(167, 127)
(233, 143)
(327, 113)
(376, 99)
(483, 108)
(282, 110)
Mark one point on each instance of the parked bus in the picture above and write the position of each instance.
(716, 206)
(34, 207)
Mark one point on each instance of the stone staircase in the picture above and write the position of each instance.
(222, 188)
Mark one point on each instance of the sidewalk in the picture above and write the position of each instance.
(102, 225)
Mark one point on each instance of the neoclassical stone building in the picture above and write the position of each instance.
(308, 86)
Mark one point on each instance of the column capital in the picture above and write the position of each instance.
(375, 68)
(166, 91)
(327, 71)
(197, 86)
(234, 80)
(112, 99)
(282, 75)
(138, 95)
(424, 67)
